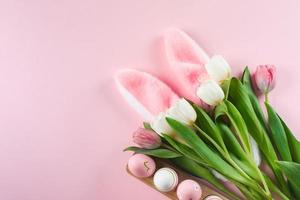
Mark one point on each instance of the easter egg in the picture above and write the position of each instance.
(165, 179)
(189, 190)
(141, 165)
(213, 197)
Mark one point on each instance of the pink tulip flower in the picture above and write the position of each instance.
(146, 138)
(265, 77)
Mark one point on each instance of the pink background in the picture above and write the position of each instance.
(62, 123)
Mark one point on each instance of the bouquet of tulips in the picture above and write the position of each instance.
(222, 133)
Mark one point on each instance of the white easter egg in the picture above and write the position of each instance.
(213, 197)
(165, 179)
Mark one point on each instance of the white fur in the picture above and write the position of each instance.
(134, 103)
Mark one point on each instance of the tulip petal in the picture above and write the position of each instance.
(210, 92)
(187, 110)
(160, 125)
(265, 78)
(145, 93)
(147, 139)
(218, 68)
(175, 113)
(186, 62)
(182, 111)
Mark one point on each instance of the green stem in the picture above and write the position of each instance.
(244, 145)
(265, 185)
(255, 189)
(248, 193)
(274, 188)
(226, 155)
(253, 164)
(223, 152)
(267, 97)
(168, 146)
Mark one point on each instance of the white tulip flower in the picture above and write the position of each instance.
(182, 111)
(160, 125)
(210, 92)
(218, 69)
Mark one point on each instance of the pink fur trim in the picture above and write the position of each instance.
(145, 93)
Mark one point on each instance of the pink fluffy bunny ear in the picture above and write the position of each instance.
(186, 62)
(145, 93)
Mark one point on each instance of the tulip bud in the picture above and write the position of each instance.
(218, 69)
(210, 92)
(146, 138)
(160, 125)
(182, 111)
(265, 77)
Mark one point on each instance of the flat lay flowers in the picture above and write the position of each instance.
(214, 127)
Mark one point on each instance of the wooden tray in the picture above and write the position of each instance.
(206, 190)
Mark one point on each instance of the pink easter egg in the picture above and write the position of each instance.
(141, 165)
(189, 190)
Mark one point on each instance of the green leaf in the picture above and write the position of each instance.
(248, 193)
(278, 134)
(197, 170)
(236, 151)
(292, 172)
(274, 188)
(225, 87)
(159, 153)
(247, 82)
(258, 111)
(205, 152)
(238, 96)
(147, 126)
(229, 110)
(294, 144)
(185, 150)
(231, 142)
(206, 124)
(244, 164)
(246, 79)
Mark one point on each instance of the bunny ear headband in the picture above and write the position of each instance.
(148, 95)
